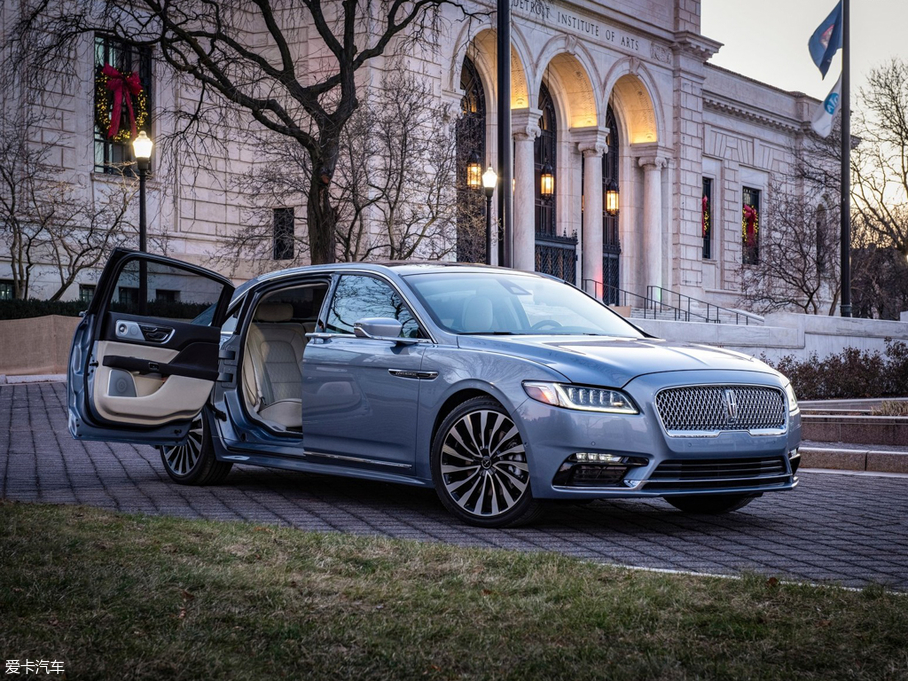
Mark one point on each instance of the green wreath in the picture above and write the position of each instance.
(119, 94)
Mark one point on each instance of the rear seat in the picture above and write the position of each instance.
(271, 367)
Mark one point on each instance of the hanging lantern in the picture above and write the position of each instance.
(547, 181)
(474, 172)
(611, 197)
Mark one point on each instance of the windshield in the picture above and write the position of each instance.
(504, 303)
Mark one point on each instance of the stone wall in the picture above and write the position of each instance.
(784, 334)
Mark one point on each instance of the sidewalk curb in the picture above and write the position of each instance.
(37, 378)
(854, 459)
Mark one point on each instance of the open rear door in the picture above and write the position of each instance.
(145, 356)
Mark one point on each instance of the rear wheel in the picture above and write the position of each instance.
(194, 462)
(480, 467)
(713, 504)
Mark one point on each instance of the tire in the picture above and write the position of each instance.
(194, 462)
(712, 504)
(480, 468)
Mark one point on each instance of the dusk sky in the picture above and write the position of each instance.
(768, 40)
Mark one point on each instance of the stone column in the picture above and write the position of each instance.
(652, 219)
(525, 124)
(592, 217)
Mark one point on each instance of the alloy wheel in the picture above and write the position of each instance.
(483, 464)
(182, 459)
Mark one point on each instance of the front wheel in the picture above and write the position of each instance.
(194, 462)
(480, 467)
(712, 504)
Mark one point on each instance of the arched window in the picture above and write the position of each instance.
(545, 150)
(471, 143)
(611, 245)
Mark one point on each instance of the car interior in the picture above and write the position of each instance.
(273, 354)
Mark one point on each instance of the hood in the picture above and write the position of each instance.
(613, 362)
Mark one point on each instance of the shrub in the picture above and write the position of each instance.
(849, 374)
(24, 309)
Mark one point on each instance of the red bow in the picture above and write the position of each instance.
(750, 224)
(124, 88)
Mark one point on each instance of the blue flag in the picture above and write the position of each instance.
(826, 40)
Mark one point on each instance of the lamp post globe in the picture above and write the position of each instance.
(489, 182)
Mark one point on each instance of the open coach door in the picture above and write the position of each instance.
(145, 356)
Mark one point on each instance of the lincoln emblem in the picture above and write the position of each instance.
(731, 405)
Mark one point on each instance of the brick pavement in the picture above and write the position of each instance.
(848, 529)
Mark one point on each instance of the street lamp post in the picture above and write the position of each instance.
(489, 182)
(141, 149)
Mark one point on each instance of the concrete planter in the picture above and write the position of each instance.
(39, 345)
(890, 431)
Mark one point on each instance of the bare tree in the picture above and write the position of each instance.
(798, 261)
(398, 168)
(47, 221)
(393, 184)
(880, 161)
(212, 45)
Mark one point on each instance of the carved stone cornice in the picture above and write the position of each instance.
(734, 109)
(695, 45)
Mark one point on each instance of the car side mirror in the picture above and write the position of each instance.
(379, 328)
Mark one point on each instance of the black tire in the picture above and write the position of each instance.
(712, 504)
(194, 462)
(480, 468)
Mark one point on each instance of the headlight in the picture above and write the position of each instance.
(792, 400)
(580, 397)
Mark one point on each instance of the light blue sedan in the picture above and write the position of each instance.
(501, 389)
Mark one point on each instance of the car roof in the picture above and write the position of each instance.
(399, 267)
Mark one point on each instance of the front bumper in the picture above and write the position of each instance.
(642, 460)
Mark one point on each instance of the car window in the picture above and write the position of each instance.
(171, 292)
(360, 296)
(499, 302)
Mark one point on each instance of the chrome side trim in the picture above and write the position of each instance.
(411, 373)
(356, 459)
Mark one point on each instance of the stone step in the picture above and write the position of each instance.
(850, 458)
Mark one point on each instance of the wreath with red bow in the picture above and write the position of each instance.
(749, 225)
(121, 104)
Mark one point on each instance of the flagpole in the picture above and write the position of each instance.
(845, 210)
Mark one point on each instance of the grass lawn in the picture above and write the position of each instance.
(133, 597)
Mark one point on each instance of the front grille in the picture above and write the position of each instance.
(720, 407)
(691, 474)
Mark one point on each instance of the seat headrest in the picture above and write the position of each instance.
(477, 315)
(274, 312)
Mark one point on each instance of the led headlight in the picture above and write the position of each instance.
(792, 400)
(580, 397)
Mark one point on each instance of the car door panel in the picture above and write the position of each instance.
(138, 377)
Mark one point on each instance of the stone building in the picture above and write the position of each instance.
(607, 96)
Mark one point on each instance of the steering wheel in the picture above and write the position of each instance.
(538, 326)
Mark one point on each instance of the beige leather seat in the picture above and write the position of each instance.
(272, 375)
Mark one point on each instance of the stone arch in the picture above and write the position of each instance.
(481, 48)
(569, 71)
(634, 97)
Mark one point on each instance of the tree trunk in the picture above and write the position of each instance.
(321, 220)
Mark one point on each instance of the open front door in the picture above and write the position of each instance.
(145, 356)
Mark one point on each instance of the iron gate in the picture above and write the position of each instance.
(557, 255)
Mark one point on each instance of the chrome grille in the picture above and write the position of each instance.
(720, 407)
(714, 474)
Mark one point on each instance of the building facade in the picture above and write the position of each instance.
(612, 98)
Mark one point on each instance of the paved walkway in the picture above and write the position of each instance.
(849, 529)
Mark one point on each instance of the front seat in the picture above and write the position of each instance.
(271, 368)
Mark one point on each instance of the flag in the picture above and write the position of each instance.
(822, 118)
(826, 40)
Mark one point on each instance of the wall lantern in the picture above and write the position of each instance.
(611, 197)
(547, 181)
(474, 172)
